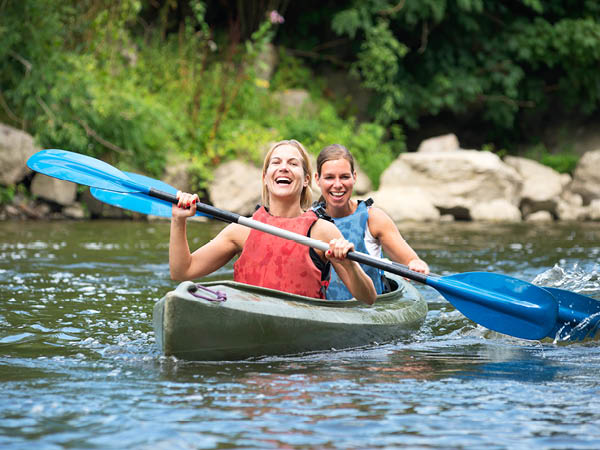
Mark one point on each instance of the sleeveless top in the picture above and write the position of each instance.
(355, 229)
(277, 263)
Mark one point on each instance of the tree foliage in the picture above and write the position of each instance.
(502, 61)
(131, 81)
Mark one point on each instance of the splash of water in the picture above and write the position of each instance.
(580, 280)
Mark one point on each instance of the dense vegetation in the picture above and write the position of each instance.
(136, 81)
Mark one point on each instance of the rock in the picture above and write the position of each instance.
(497, 210)
(542, 186)
(445, 143)
(16, 147)
(456, 181)
(586, 179)
(98, 209)
(176, 172)
(74, 211)
(405, 204)
(53, 189)
(594, 210)
(539, 216)
(292, 100)
(363, 182)
(237, 187)
(571, 212)
(12, 211)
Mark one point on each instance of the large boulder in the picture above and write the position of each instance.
(586, 179)
(53, 189)
(98, 209)
(176, 172)
(437, 144)
(542, 185)
(406, 204)
(497, 210)
(16, 147)
(456, 181)
(293, 100)
(237, 187)
(363, 182)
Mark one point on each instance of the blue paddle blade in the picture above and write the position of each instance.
(501, 303)
(578, 315)
(140, 203)
(82, 169)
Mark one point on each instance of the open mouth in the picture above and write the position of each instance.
(283, 180)
(337, 194)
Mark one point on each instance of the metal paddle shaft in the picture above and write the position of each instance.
(498, 302)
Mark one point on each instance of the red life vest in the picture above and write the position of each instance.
(277, 263)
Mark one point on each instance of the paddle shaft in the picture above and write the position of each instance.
(231, 217)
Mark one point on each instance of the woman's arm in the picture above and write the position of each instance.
(383, 228)
(184, 265)
(356, 280)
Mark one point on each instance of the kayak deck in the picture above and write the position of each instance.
(256, 321)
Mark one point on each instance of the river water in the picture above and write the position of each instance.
(79, 367)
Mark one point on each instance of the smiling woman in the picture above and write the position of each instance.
(266, 260)
(369, 228)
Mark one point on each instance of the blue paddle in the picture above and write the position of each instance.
(498, 302)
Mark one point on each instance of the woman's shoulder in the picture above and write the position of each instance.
(379, 221)
(324, 230)
(377, 214)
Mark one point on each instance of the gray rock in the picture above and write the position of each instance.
(497, 210)
(586, 179)
(16, 147)
(53, 189)
(237, 187)
(539, 216)
(456, 181)
(406, 204)
(542, 185)
(445, 143)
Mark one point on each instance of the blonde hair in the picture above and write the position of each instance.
(306, 196)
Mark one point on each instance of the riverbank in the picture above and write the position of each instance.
(439, 182)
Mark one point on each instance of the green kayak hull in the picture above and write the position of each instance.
(254, 322)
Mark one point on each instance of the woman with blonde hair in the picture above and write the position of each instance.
(266, 260)
(369, 228)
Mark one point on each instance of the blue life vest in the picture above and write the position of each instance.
(353, 228)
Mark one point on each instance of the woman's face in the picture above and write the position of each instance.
(336, 182)
(285, 174)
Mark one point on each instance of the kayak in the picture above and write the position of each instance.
(234, 321)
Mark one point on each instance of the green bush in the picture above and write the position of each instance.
(564, 162)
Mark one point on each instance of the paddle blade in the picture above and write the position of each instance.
(578, 315)
(140, 203)
(82, 169)
(501, 303)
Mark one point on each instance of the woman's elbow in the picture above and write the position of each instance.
(177, 276)
(370, 299)
(369, 296)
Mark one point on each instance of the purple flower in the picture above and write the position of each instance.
(275, 17)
